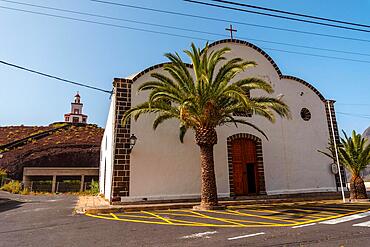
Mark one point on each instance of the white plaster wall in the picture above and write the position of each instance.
(162, 167)
(106, 153)
(76, 107)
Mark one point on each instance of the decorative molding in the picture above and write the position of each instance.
(260, 168)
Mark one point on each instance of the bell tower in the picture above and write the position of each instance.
(76, 116)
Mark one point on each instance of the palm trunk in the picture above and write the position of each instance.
(208, 178)
(206, 138)
(357, 188)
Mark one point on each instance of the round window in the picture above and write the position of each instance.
(305, 114)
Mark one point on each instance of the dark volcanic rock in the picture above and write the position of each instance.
(72, 146)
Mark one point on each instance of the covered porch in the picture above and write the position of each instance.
(56, 176)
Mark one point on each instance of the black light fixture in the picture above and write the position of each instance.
(132, 143)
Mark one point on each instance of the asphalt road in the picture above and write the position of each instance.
(49, 221)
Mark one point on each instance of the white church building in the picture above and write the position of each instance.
(138, 163)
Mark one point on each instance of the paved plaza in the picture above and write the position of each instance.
(52, 221)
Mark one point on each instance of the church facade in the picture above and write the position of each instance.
(138, 163)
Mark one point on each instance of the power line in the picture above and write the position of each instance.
(278, 16)
(354, 115)
(292, 13)
(357, 104)
(229, 21)
(55, 77)
(175, 35)
(101, 23)
(180, 28)
(317, 55)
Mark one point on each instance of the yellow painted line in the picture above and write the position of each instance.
(218, 219)
(238, 220)
(232, 223)
(343, 209)
(182, 224)
(159, 223)
(114, 216)
(261, 216)
(282, 213)
(190, 222)
(136, 216)
(159, 217)
(317, 212)
(331, 217)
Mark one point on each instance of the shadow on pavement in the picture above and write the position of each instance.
(7, 204)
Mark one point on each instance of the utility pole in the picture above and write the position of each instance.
(336, 151)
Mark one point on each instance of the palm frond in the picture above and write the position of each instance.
(241, 121)
(207, 96)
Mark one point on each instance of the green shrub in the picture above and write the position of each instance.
(3, 175)
(14, 187)
(25, 191)
(3, 172)
(94, 188)
(72, 181)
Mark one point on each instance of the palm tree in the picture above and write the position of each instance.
(354, 154)
(204, 101)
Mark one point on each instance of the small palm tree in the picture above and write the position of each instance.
(354, 154)
(204, 101)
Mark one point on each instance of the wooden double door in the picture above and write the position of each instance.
(245, 172)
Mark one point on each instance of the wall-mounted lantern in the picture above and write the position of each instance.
(132, 143)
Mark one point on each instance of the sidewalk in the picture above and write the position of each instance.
(96, 204)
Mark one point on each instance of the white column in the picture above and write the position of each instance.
(82, 183)
(53, 186)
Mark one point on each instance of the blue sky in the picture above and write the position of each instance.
(95, 54)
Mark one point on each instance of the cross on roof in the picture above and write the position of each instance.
(231, 30)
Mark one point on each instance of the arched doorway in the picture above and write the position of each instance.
(246, 171)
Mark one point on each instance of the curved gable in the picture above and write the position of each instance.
(256, 48)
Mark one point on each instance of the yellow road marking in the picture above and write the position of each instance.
(231, 222)
(136, 216)
(343, 209)
(218, 219)
(190, 222)
(161, 223)
(331, 217)
(283, 213)
(314, 211)
(201, 217)
(114, 216)
(261, 216)
(159, 217)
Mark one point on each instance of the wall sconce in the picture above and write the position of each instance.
(132, 142)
